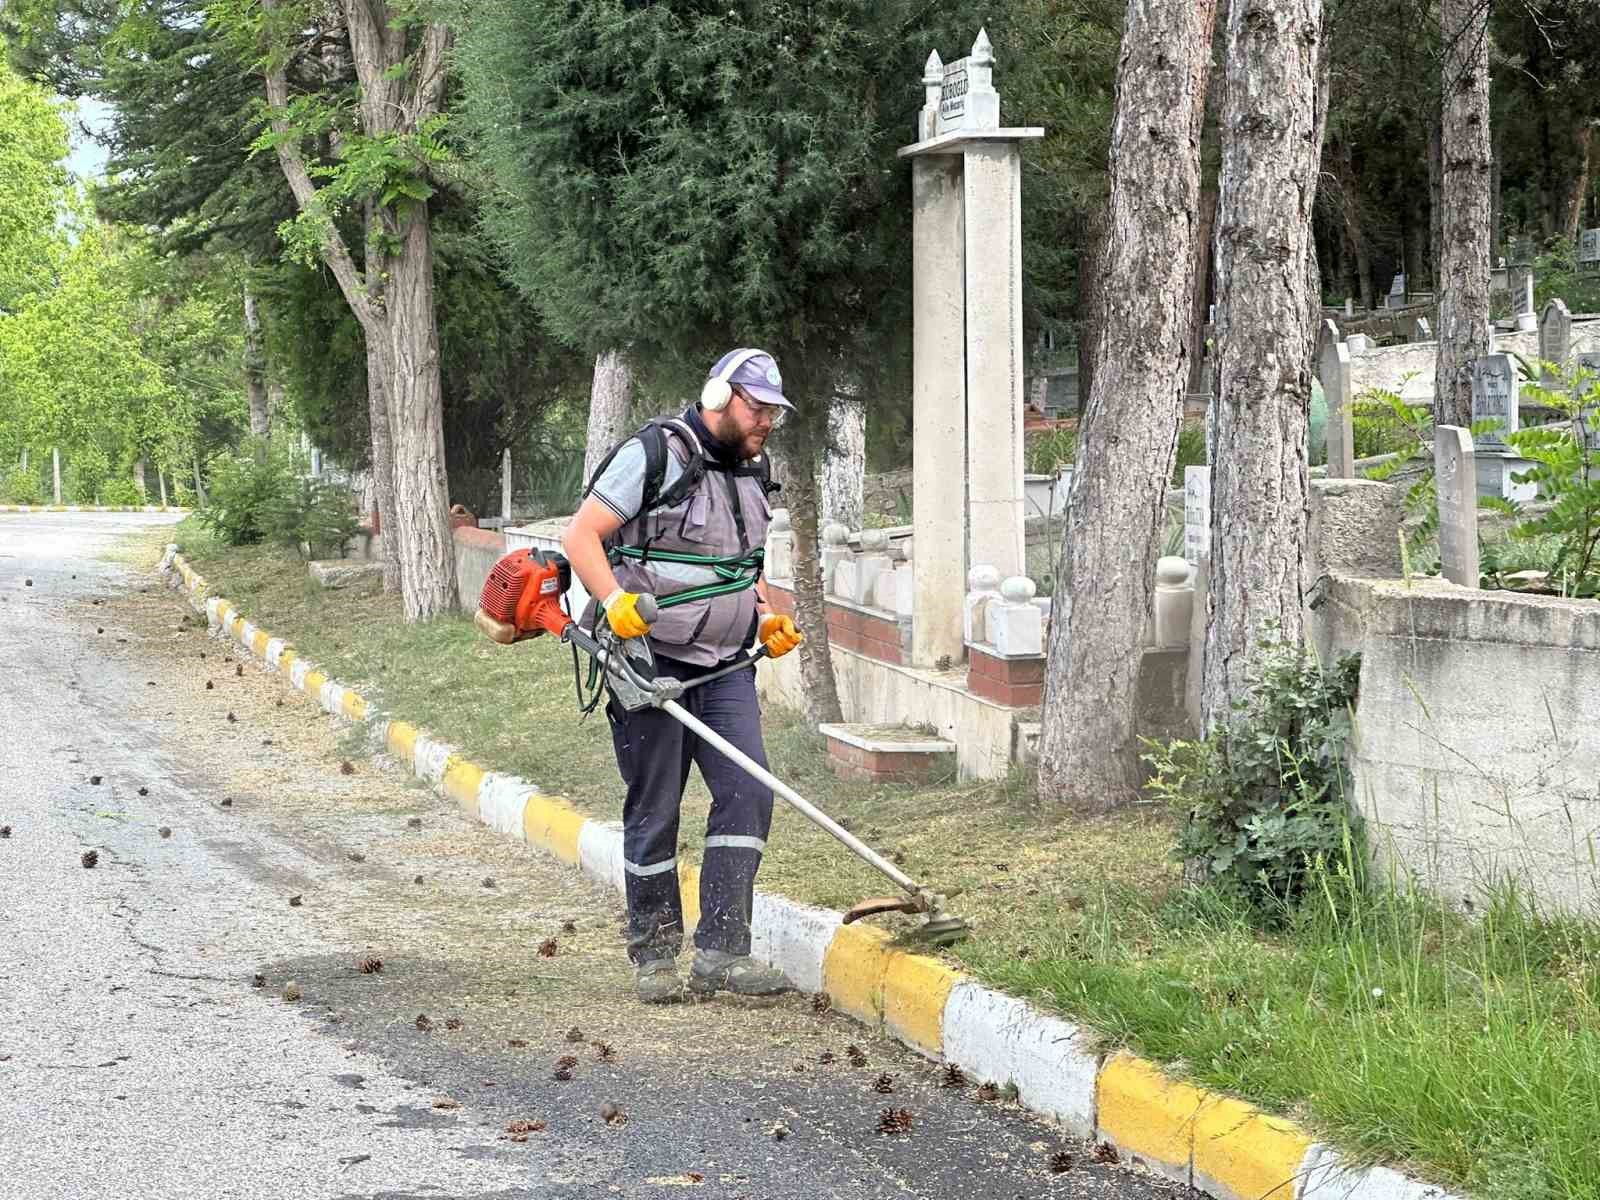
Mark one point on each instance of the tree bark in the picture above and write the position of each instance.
(138, 476)
(55, 471)
(416, 414)
(1091, 302)
(199, 485)
(1259, 471)
(1578, 182)
(1355, 228)
(381, 429)
(401, 71)
(1089, 749)
(816, 657)
(610, 398)
(844, 459)
(255, 371)
(161, 478)
(1200, 290)
(1463, 286)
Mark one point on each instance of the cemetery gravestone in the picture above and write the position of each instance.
(1334, 371)
(1555, 339)
(1196, 514)
(1589, 360)
(1397, 292)
(1589, 246)
(1455, 477)
(1494, 395)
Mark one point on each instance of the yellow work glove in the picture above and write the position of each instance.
(778, 634)
(622, 614)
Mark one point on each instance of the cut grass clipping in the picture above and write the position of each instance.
(1465, 1049)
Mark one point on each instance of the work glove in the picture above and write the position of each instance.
(622, 614)
(778, 634)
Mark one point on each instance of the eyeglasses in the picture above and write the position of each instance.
(765, 414)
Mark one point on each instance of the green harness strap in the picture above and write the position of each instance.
(736, 571)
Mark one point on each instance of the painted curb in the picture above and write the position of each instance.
(1219, 1145)
(92, 508)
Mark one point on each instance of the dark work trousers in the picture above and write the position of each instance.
(653, 754)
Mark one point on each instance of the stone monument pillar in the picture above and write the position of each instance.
(967, 385)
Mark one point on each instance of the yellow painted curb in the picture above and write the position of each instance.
(461, 782)
(355, 706)
(258, 644)
(1147, 1115)
(915, 989)
(852, 971)
(875, 981)
(312, 685)
(553, 824)
(401, 738)
(286, 661)
(1241, 1152)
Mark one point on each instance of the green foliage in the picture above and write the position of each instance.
(1556, 275)
(1265, 796)
(247, 493)
(1191, 451)
(33, 141)
(1566, 468)
(120, 491)
(22, 485)
(1046, 451)
(1385, 424)
(314, 513)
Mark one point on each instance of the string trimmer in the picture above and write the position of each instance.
(522, 598)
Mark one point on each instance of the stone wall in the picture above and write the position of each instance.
(477, 550)
(1386, 367)
(1474, 757)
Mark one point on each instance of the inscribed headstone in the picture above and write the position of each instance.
(1197, 514)
(1456, 480)
(1334, 371)
(1589, 360)
(1397, 292)
(1494, 394)
(967, 99)
(1555, 335)
(1589, 246)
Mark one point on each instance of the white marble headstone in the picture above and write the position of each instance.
(1494, 394)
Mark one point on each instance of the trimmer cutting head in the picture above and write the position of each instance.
(939, 928)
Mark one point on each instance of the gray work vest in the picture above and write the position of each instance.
(726, 513)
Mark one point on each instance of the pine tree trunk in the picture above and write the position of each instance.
(610, 398)
(1259, 473)
(199, 485)
(255, 370)
(811, 614)
(1463, 286)
(844, 459)
(1578, 183)
(421, 493)
(138, 476)
(161, 478)
(55, 471)
(1089, 751)
(1091, 302)
(381, 428)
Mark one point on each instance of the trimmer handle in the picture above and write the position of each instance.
(647, 608)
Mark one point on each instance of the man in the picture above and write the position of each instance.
(708, 505)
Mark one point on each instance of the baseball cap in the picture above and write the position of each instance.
(757, 375)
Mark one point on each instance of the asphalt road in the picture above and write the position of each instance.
(139, 1057)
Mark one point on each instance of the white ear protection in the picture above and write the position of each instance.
(717, 394)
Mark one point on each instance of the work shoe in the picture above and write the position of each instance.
(717, 970)
(657, 982)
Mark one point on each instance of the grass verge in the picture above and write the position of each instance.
(1467, 1050)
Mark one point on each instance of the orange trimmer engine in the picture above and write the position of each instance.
(522, 597)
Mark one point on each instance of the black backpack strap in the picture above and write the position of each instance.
(654, 441)
(694, 465)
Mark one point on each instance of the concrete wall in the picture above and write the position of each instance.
(1387, 366)
(1475, 756)
(477, 550)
